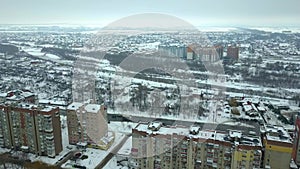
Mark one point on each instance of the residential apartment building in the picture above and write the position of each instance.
(278, 147)
(296, 147)
(74, 127)
(210, 53)
(30, 128)
(176, 50)
(219, 50)
(233, 52)
(86, 123)
(202, 53)
(170, 147)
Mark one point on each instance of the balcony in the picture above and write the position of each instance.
(209, 155)
(49, 130)
(168, 142)
(256, 158)
(168, 159)
(227, 154)
(209, 160)
(50, 148)
(49, 145)
(210, 146)
(256, 162)
(50, 137)
(210, 150)
(183, 155)
(227, 158)
(183, 146)
(51, 154)
(214, 165)
(185, 143)
(57, 114)
(47, 116)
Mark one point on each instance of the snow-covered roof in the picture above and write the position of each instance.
(47, 109)
(234, 134)
(27, 105)
(194, 129)
(261, 108)
(24, 147)
(277, 133)
(52, 102)
(247, 107)
(108, 138)
(92, 108)
(74, 106)
(154, 125)
(202, 134)
(27, 94)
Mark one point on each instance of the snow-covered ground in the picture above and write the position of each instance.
(37, 52)
(122, 127)
(95, 156)
(120, 160)
(112, 164)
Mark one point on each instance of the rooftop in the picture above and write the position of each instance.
(53, 102)
(47, 108)
(277, 133)
(229, 136)
(74, 106)
(92, 108)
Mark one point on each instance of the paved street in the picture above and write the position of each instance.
(112, 153)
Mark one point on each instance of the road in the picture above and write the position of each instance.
(112, 153)
(65, 158)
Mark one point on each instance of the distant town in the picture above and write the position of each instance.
(223, 98)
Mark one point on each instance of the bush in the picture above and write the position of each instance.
(235, 111)
(83, 157)
(233, 103)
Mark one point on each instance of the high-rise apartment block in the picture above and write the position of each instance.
(173, 50)
(296, 147)
(208, 53)
(220, 50)
(203, 53)
(31, 128)
(233, 52)
(278, 147)
(86, 123)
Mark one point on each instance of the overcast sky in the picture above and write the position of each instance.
(197, 12)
